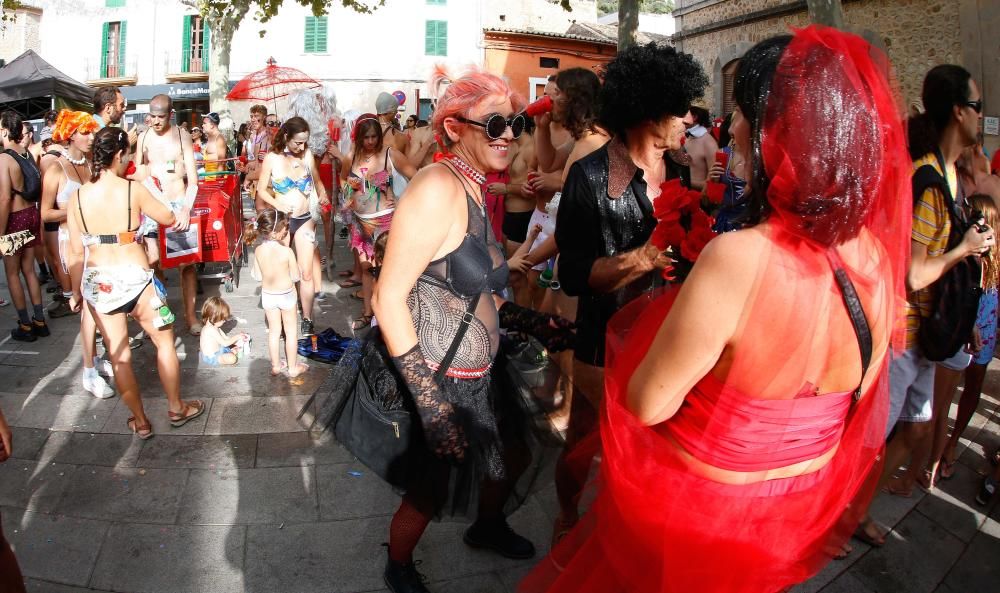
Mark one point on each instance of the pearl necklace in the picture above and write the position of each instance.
(75, 162)
(466, 169)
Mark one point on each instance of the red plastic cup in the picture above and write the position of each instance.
(539, 107)
(243, 159)
(722, 157)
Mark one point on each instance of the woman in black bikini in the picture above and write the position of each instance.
(110, 271)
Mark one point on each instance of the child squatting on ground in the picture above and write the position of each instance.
(275, 267)
(218, 348)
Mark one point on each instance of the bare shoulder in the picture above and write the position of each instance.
(734, 254)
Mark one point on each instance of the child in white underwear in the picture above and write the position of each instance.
(274, 265)
(218, 348)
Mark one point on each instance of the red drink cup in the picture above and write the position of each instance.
(722, 157)
(539, 107)
(335, 135)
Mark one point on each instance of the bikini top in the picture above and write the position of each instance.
(287, 184)
(125, 238)
(62, 198)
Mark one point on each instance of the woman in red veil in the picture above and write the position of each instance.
(745, 412)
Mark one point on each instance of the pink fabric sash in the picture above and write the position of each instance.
(729, 430)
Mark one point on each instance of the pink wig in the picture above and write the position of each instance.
(463, 94)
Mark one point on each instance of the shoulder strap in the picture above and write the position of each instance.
(129, 224)
(453, 349)
(385, 166)
(853, 303)
(79, 206)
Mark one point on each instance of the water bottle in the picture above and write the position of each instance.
(164, 315)
(545, 278)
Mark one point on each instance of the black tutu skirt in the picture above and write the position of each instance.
(505, 453)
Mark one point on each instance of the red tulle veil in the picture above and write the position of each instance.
(831, 134)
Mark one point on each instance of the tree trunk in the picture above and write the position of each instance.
(628, 23)
(222, 29)
(826, 12)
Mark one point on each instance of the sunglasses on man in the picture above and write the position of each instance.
(496, 124)
(976, 106)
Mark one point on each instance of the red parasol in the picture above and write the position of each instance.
(271, 83)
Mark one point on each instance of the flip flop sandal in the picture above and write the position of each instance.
(138, 430)
(862, 535)
(350, 284)
(357, 296)
(178, 419)
(362, 322)
(946, 470)
(900, 492)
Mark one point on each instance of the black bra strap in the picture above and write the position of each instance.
(853, 303)
(79, 206)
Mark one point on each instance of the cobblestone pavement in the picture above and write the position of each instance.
(245, 498)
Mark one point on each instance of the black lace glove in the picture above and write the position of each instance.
(555, 333)
(444, 434)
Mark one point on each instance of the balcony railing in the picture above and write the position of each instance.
(113, 73)
(187, 66)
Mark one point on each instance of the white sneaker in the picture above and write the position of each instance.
(104, 367)
(98, 387)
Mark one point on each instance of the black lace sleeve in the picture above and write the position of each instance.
(442, 430)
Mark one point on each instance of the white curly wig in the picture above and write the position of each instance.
(317, 106)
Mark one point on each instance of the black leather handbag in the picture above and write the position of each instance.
(377, 420)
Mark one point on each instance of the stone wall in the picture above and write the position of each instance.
(21, 34)
(916, 33)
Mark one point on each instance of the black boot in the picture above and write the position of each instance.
(403, 578)
(496, 535)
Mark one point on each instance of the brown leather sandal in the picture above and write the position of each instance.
(143, 431)
(178, 419)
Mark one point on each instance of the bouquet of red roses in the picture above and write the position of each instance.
(682, 225)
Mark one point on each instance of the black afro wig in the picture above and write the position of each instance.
(647, 82)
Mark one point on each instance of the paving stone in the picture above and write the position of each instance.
(81, 413)
(512, 577)
(204, 452)
(47, 380)
(480, 583)
(178, 559)
(977, 568)
(249, 415)
(11, 404)
(39, 586)
(846, 583)
(915, 561)
(952, 504)
(445, 556)
(156, 411)
(300, 448)
(89, 448)
(33, 485)
(267, 495)
(27, 442)
(61, 549)
(834, 569)
(890, 510)
(344, 495)
(340, 556)
(124, 494)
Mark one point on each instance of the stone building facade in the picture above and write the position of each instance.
(20, 33)
(916, 34)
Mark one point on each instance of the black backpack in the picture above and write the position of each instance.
(956, 293)
(32, 191)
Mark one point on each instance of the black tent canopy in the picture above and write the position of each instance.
(31, 86)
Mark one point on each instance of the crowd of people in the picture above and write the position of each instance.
(756, 332)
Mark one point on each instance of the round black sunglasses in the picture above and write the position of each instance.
(496, 124)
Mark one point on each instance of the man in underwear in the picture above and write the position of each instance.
(213, 146)
(166, 158)
(387, 107)
(19, 213)
(109, 108)
(700, 146)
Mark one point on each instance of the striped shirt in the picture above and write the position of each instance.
(931, 227)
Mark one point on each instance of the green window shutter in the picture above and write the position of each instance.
(310, 35)
(186, 45)
(122, 36)
(437, 2)
(436, 38)
(104, 51)
(320, 34)
(114, 3)
(442, 38)
(206, 44)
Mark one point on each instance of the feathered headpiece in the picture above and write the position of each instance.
(70, 122)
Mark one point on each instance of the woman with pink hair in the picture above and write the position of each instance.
(439, 314)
